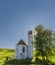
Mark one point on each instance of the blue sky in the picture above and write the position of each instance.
(19, 16)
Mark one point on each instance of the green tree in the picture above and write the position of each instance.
(47, 35)
(42, 41)
(38, 40)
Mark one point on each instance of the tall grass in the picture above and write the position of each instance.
(4, 53)
(10, 53)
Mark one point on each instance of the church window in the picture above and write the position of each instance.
(23, 49)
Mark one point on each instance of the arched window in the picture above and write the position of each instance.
(23, 49)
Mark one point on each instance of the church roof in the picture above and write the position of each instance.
(29, 32)
(21, 42)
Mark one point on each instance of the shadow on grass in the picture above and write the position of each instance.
(18, 62)
(28, 62)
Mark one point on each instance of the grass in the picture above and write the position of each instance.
(10, 53)
(20, 62)
(4, 53)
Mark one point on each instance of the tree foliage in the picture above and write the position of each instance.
(43, 41)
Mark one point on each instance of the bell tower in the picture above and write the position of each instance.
(30, 45)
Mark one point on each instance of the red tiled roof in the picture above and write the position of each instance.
(21, 42)
(29, 32)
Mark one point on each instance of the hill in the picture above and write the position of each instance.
(4, 52)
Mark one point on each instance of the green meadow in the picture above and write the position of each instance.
(5, 53)
(10, 53)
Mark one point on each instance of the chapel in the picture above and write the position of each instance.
(24, 50)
